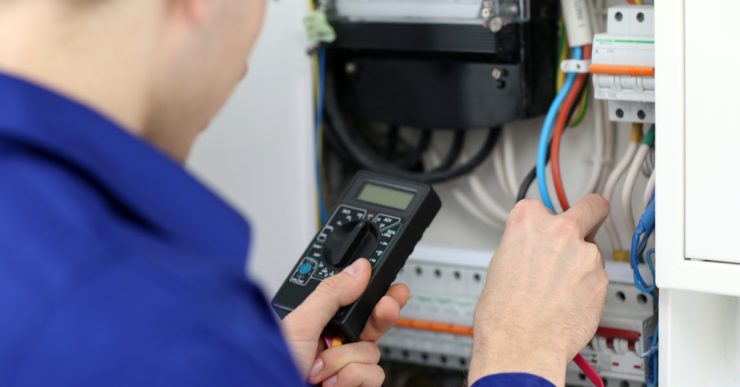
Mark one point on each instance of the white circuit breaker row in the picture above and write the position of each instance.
(436, 324)
(623, 64)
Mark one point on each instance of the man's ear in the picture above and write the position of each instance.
(188, 11)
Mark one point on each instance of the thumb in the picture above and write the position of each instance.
(332, 293)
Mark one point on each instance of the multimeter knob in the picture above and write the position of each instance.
(350, 241)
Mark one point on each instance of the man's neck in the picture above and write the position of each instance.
(36, 45)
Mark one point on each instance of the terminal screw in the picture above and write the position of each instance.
(498, 73)
(350, 68)
(495, 24)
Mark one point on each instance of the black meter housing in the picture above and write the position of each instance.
(378, 217)
(453, 76)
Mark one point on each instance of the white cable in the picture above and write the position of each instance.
(610, 145)
(509, 162)
(483, 196)
(577, 22)
(596, 10)
(648, 167)
(649, 188)
(611, 185)
(468, 205)
(498, 167)
(629, 186)
(495, 220)
(486, 200)
(598, 160)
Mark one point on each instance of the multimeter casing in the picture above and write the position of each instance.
(393, 234)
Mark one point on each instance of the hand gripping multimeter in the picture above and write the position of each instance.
(378, 217)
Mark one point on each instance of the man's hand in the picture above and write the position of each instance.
(354, 364)
(544, 293)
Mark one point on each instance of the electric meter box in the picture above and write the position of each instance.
(457, 64)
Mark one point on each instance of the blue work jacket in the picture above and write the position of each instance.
(117, 267)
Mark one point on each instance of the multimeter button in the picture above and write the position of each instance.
(304, 272)
(305, 268)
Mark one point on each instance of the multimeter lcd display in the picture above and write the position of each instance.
(385, 196)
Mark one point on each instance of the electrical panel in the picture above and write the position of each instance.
(439, 91)
(436, 325)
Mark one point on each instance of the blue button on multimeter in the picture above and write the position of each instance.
(305, 268)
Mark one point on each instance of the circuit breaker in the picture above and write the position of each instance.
(436, 326)
(623, 64)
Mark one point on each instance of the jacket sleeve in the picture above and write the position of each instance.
(511, 380)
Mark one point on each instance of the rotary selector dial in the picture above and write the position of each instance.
(350, 241)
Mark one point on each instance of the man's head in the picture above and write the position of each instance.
(161, 68)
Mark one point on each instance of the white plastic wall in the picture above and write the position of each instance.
(698, 325)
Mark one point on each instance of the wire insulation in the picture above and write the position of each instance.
(319, 119)
(590, 373)
(497, 159)
(643, 232)
(546, 135)
(649, 190)
(509, 162)
(611, 185)
(583, 105)
(464, 200)
(413, 158)
(562, 121)
(458, 141)
(632, 174)
(484, 197)
(367, 158)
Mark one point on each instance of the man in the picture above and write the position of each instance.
(117, 268)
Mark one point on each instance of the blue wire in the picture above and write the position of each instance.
(547, 129)
(644, 230)
(642, 234)
(650, 260)
(652, 360)
(317, 128)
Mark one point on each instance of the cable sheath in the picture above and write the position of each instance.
(546, 134)
(570, 102)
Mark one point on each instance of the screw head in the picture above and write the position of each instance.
(350, 68)
(495, 24)
(498, 73)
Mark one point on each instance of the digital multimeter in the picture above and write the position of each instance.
(378, 217)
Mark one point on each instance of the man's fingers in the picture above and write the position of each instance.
(312, 316)
(386, 313)
(331, 361)
(357, 375)
(400, 292)
(384, 317)
(589, 214)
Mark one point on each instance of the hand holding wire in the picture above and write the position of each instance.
(544, 292)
